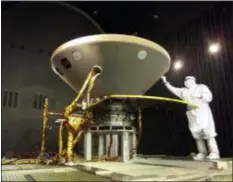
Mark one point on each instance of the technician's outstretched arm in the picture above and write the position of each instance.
(176, 91)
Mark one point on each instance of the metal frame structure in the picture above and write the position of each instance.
(126, 135)
(112, 143)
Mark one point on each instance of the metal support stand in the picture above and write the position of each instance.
(115, 144)
(134, 145)
(107, 144)
(101, 146)
(88, 146)
(125, 146)
(126, 137)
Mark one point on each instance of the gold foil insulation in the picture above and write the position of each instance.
(73, 122)
(44, 123)
(70, 108)
(70, 141)
(77, 138)
(60, 141)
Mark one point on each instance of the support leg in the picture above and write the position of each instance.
(60, 141)
(134, 145)
(125, 147)
(114, 151)
(107, 144)
(88, 146)
(101, 146)
(70, 140)
(44, 124)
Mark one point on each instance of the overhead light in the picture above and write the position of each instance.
(214, 48)
(178, 65)
(155, 16)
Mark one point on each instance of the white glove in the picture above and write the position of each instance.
(164, 79)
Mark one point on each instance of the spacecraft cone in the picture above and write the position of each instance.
(130, 65)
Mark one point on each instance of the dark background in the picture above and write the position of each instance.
(184, 29)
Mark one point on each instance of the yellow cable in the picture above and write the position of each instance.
(145, 97)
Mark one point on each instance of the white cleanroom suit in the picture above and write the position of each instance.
(200, 119)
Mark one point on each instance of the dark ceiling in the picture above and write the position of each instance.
(149, 19)
(152, 20)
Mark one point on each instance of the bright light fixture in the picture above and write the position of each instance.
(178, 65)
(214, 48)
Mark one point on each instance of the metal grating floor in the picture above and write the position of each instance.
(38, 173)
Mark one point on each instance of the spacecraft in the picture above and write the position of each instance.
(129, 65)
(110, 73)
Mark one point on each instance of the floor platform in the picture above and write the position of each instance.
(141, 169)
